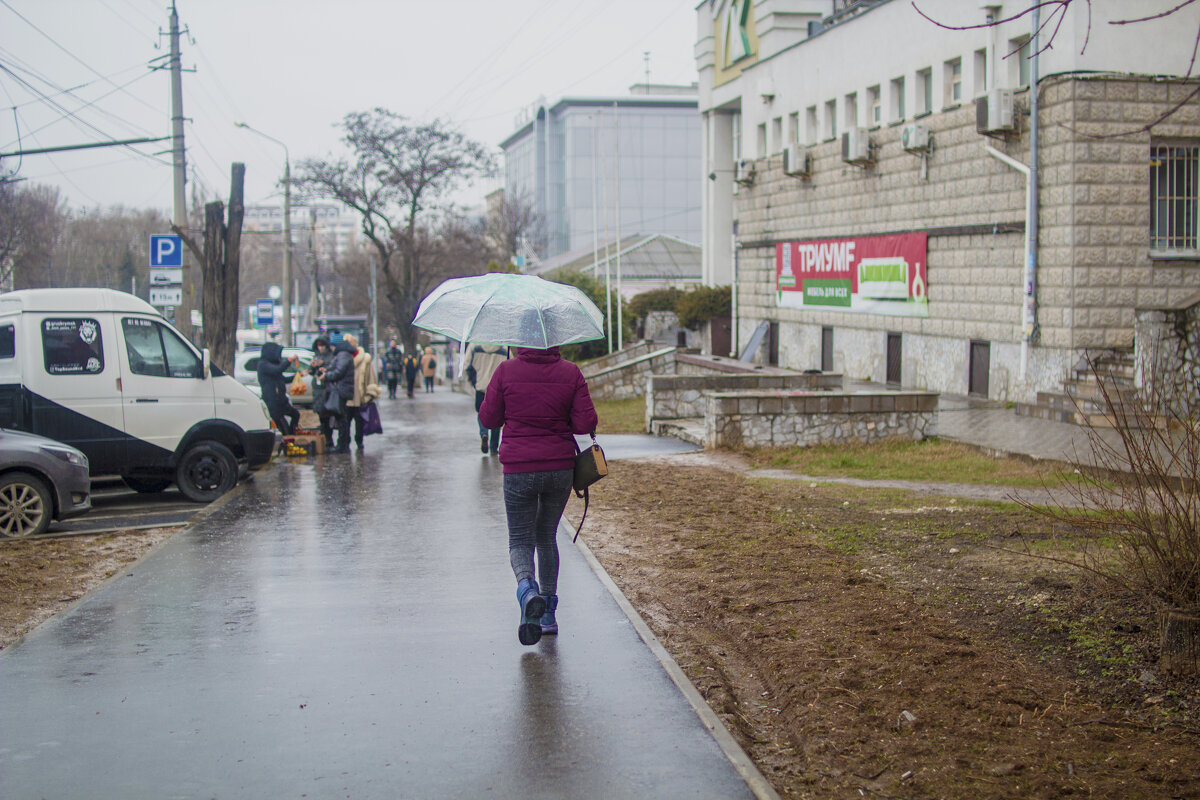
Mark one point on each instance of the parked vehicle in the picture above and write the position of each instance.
(102, 371)
(40, 480)
(245, 371)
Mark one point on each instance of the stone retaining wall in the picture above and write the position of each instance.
(774, 419)
(684, 396)
(628, 378)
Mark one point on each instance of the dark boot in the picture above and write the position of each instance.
(533, 605)
(548, 622)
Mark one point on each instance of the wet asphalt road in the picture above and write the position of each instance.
(346, 627)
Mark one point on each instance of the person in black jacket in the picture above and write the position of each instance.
(271, 367)
(322, 357)
(339, 379)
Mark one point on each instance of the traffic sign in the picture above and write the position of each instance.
(265, 311)
(169, 276)
(166, 250)
(166, 296)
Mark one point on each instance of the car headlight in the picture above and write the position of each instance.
(68, 454)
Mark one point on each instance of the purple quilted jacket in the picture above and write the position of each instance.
(541, 400)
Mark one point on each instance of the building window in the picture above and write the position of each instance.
(761, 140)
(1022, 49)
(831, 119)
(981, 76)
(777, 134)
(1174, 201)
(850, 113)
(794, 127)
(897, 90)
(953, 82)
(925, 91)
(874, 106)
(811, 129)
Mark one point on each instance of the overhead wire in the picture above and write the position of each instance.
(76, 58)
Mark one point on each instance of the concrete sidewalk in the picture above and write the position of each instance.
(347, 628)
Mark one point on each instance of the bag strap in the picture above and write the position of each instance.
(581, 519)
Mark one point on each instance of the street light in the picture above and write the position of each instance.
(286, 322)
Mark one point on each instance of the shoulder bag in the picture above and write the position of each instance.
(590, 466)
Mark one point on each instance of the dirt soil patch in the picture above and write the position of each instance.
(873, 641)
(41, 577)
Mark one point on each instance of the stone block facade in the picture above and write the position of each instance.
(1094, 265)
(777, 419)
(625, 378)
(686, 396)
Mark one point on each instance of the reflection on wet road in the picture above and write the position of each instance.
(347, 627)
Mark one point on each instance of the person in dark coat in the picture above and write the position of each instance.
(322, 358)
(541, 401)
(271, 367)
(339, 378)
(412, 365)
(393, 362)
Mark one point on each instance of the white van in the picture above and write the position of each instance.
(104, 372)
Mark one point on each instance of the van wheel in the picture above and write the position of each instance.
(146, 485)
(25, 505)
(206, 471)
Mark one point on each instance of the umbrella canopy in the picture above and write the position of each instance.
(517, 310)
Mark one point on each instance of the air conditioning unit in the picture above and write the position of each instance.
(744, 173)
(856, 147)
(796, 161)
(994, 112)
(914, 138)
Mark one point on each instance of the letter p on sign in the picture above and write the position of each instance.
(166, 250)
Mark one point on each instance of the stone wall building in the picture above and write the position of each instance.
(873, 166)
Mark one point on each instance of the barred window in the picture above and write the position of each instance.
(1174, 199)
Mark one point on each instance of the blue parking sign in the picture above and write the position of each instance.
(166, 250)
(264, 311)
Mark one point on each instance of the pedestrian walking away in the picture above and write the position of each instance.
(271, 366)
(366, 388)
(412, 365)
(322, 358)
(541, 401)
(482, 364)
(428, 368)
(393, 365)
(339, 380)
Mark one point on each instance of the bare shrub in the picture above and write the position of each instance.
(1135, 500)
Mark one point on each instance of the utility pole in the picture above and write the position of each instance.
(183, 311)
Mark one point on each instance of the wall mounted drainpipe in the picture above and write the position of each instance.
(1030, 323)
(1029, 255)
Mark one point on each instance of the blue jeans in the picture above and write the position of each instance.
(534, 502)
(493, 434)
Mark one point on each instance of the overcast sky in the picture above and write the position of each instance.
(76, 71)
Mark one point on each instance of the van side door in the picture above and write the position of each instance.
(72, 385)
(165, 391)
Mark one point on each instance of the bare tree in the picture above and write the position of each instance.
(31, 221)
(514, 228)
(398, 178)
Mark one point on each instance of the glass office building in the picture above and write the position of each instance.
(587, 165)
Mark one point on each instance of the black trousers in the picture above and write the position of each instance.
(286, 419)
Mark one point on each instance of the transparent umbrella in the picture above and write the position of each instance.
(517, 310)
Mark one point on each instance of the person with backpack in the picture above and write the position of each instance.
(412, 365)
(428, 368)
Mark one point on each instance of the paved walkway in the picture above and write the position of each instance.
(347, 628)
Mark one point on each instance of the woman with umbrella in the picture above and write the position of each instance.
(539, 399)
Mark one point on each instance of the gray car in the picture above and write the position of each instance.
(40, 480)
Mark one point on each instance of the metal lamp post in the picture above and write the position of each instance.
(286, 299)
